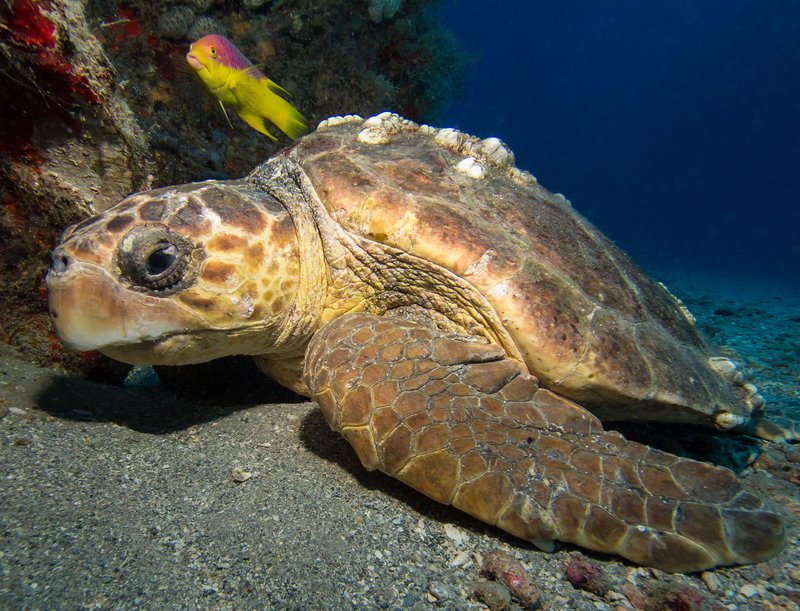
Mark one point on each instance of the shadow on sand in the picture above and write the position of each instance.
(187, 396)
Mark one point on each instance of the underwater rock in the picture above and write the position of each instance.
(586, 575)
(201, 6)
(174, 23)
(205, 25)
(96, 107)
(71, 147)
(506, 570)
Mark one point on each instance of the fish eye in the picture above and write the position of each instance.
(213, 51)
(155, 259)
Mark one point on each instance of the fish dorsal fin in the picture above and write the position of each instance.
(255, 72)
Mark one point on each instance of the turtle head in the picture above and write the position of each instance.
(178, 275)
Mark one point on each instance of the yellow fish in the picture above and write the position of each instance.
(234, 81)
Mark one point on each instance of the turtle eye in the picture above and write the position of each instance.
(155, 259)
(162, 260)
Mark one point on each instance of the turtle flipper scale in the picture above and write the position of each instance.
(465, 425)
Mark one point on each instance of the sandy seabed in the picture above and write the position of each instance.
(123, 497)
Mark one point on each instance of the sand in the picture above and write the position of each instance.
(119, 497)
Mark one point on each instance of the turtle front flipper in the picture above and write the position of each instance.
(466, 425)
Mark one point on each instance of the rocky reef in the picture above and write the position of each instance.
(98, 103)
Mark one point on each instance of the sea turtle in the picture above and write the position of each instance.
(463, 328)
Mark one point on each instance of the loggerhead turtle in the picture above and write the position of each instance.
(462, 327)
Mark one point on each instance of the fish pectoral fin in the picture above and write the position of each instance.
(257, 123)
(183, 71)
(225, 112)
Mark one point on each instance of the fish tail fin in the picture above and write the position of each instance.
(257, 123)
(261, 98)
(287, 118)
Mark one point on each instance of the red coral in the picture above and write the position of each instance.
(49, 83)
(29, 23)
(32, 31)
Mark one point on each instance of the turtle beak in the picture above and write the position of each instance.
(91, 310)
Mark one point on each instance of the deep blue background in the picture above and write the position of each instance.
(674, 126)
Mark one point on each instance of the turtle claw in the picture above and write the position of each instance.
(545, 545)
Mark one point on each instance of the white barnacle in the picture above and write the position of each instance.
(329, 122)
(449, 137)
(374, 135)
(476, 171)
(721, 364)
(374, 121)
(470, 167)
(490, 145)
(756, 402)
(470, 147)
(465, 164)
(750, 388)
(726, 421)
(338, 120)
(388, 122)
(495, 151)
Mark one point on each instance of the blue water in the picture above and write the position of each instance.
(673, 126)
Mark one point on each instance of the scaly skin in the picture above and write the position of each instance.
(239, 295)
(467, 426)
(427, 312)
